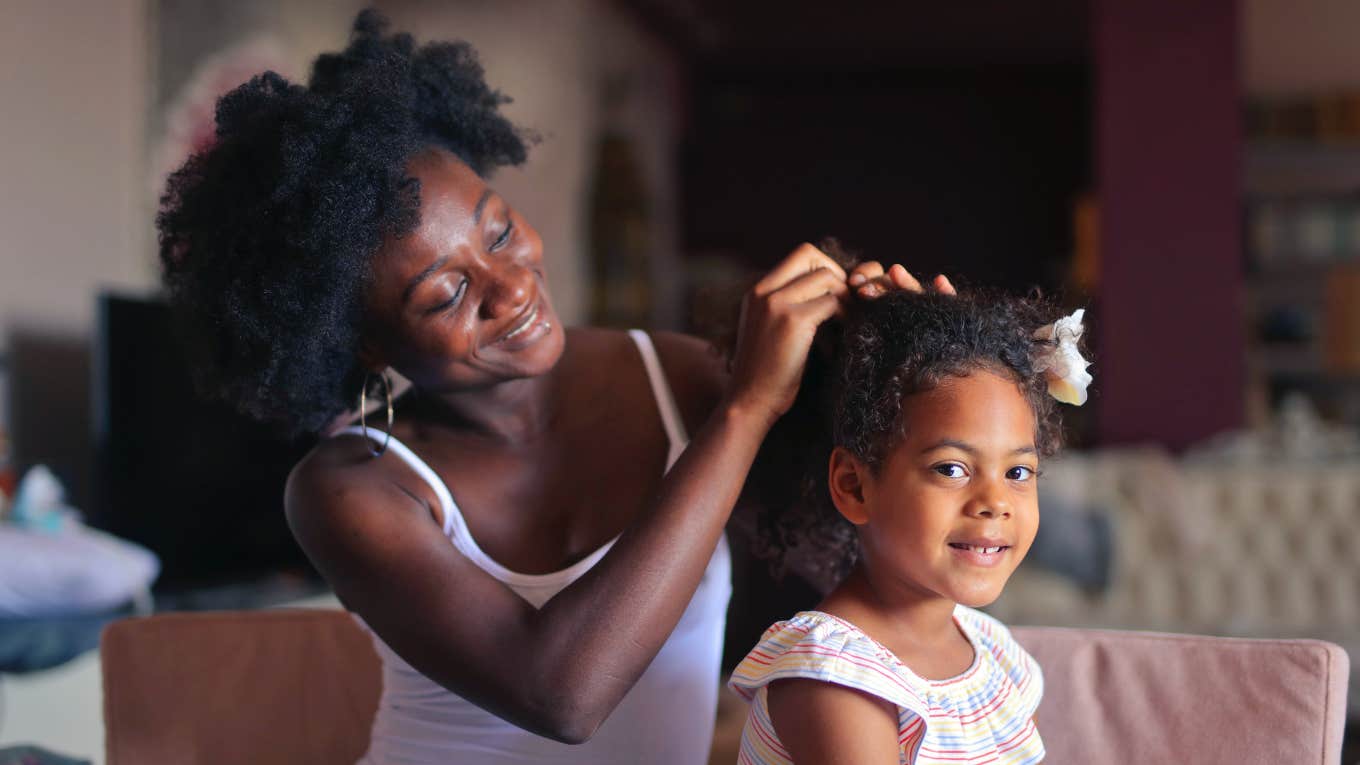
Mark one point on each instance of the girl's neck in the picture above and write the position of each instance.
(917, 626)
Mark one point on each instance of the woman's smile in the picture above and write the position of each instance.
(527, 328)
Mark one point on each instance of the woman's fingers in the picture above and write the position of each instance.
(779, 319)
(804, 259)
(818, 310)
(811, 285)
(898, 278)
(903, 279)
(895, 278)
(865, 272)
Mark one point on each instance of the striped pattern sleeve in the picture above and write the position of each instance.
(1024, 672)
(817, 646)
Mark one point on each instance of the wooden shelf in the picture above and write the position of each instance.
(1274, 360)
(1301, 267)
(1272, 169)
(1300, 181)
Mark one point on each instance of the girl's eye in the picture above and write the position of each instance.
(505, 235)
(1020, 473)
(950, 470)
(453, 301)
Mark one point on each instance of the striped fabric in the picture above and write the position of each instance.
(985, 715)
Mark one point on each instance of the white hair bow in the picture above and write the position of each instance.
(1060, 360)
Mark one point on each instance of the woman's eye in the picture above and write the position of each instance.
(453, 301)
(1020, 473)
(950, 470)
(505, 235)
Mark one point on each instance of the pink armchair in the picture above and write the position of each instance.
(294, 686)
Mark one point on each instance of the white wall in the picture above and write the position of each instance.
(1294, 47)
(73, 84)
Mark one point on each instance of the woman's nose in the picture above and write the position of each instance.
(508, 289)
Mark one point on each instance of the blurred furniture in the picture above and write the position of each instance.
(260, 687)
(1262, 548)
(32, 755)
(301, 686)
(1302, 237)
(39, 643)
(1116, 697)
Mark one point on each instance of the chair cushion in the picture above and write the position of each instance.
(1149, 697)
(277, 686)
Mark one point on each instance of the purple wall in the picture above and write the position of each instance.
(1168, 147)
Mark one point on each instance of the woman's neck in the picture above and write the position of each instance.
(513, 411)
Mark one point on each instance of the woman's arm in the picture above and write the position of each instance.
(827, 723)
(560, 670)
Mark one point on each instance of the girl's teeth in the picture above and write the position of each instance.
(984, 550)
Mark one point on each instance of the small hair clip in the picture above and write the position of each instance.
(1061, 362)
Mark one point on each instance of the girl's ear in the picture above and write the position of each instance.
(846, 477)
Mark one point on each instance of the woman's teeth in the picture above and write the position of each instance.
(528, 322)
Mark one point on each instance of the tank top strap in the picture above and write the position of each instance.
(453, 518)
(535, 588)
(665, 399)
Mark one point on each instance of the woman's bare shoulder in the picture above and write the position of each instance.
(338, 472)
(696, 371)
(334, 461)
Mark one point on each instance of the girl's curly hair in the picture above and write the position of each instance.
(266, 238)
(861, 370)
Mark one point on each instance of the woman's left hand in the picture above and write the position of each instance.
(869, 280)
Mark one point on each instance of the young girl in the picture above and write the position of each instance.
(940, 410)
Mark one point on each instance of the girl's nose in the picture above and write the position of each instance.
(989, 503)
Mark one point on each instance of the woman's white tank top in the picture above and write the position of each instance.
(666, 719)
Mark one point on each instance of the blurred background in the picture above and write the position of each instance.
(1188, 172)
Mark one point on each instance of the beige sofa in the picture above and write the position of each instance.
(301, 686)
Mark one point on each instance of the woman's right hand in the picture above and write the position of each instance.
(869, 280)
(779, 318)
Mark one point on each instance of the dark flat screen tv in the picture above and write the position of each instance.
(194, 481)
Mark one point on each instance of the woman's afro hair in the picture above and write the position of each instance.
(266, 238)
(860, 373)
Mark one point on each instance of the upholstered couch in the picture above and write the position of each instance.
(300, 686)
(1262, 548)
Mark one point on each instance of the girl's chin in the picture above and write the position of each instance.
(978, 597)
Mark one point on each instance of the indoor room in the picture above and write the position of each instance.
(256, 331)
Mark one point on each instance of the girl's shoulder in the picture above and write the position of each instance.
(989, 635)
(818, 646)
(983, 627)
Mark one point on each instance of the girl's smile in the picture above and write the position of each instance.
(988, 552)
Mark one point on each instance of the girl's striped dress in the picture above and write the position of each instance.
(985, 715)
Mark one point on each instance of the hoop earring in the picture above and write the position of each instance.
(363, 405)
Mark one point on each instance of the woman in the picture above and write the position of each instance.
(345, 228)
